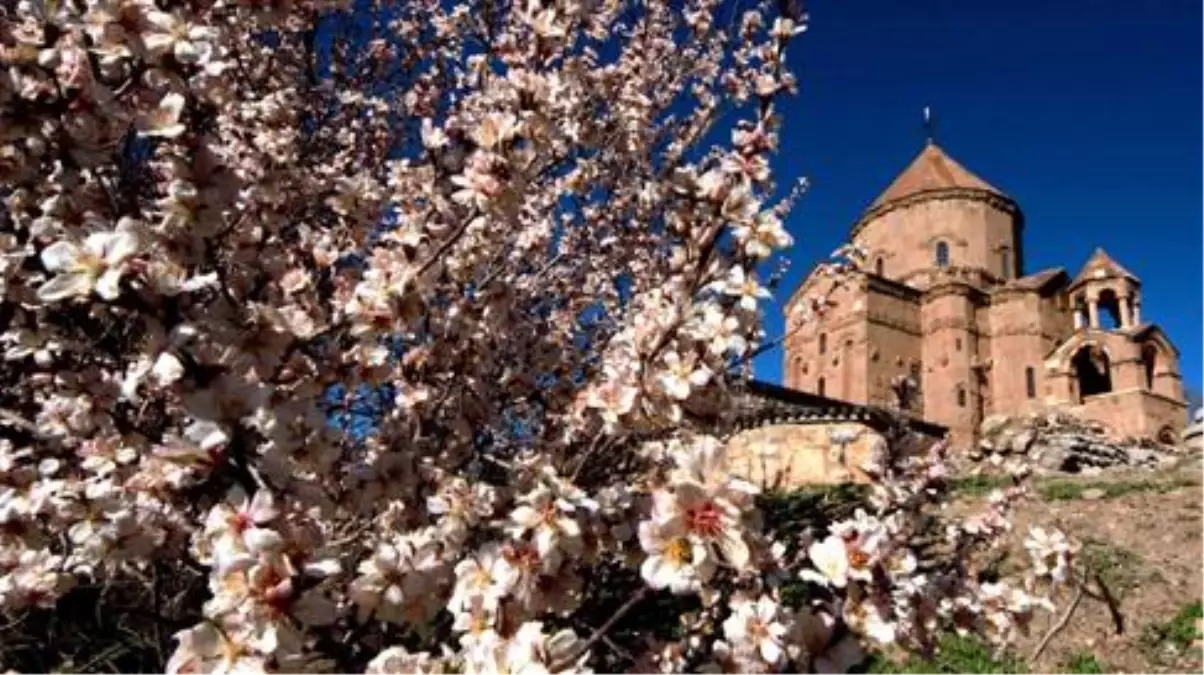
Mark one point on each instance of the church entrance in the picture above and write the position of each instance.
(1092, 371)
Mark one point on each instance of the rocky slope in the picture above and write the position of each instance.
(1141, 530)
(1055, 442)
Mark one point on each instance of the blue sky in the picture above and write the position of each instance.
(1087, 113)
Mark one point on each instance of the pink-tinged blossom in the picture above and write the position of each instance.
(830, 558)
(164, 121)
(398, 660)
(682, 375)
(238, 530)
(432, 333)
(705, 519)
(205, 649)
(675, 561)
(755, 625)
(95, 265)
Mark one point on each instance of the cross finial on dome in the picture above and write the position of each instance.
(929, 126)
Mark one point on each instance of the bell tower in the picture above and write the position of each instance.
(1106, 296)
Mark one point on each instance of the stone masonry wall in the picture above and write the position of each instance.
(905, 238)
(895, 343)
(788, 456)
(1135, 413)
(832, 347)
(1017, 344)
(949, 387)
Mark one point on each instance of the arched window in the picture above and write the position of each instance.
(1005, 264)
(942, 254)
(823, 343)
(961, 396)
(879, 266)
(1030, 382)
(819, 387)
(1149, 358)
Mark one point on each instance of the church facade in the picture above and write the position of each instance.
(944, 299)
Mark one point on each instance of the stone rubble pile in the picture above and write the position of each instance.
(1057, 442)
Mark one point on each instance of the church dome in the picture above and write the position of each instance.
(933, 174)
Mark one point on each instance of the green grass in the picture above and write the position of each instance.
(1069, 489)
(1117, 566)
(956, 656)
(1063, 490)
(979, 485)
(968, 656)
(1083, 663)
(1179, 633)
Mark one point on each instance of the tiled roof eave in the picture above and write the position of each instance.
(757, 420)
(1082, 281)
(769, 404)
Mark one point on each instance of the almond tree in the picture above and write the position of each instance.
(526, 236)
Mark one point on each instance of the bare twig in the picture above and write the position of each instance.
(1057, 627)
(446, 245)
(599, 443)
(14, 419)
(1105, 595)
(614, 646)
(601, 631)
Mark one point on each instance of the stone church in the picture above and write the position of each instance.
(945, 300)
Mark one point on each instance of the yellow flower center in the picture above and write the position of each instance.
(679, 552)
(231, 651)
(89, 263)
(482, 578)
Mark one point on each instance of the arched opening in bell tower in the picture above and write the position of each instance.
(1109, 310)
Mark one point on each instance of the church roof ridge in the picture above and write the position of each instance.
(1101, 266)
(932, 169)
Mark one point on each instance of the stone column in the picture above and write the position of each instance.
(1093, 313)
(1126, 314)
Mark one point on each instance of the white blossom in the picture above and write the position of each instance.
(755, 624)
(831, 560)
(96, 265)
(314, 333)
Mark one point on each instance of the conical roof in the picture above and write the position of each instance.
(1101, 266)
(932, 169)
